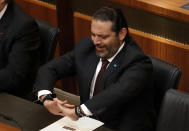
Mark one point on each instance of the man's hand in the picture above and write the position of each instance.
(70, 112)
(52, 106)
(62, 108)
(67, 109)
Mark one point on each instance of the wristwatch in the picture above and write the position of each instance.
(48, 97)
(78, 112)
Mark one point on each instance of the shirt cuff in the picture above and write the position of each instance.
(86, 110)
(43, 92)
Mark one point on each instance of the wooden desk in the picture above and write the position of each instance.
(4, 127)
(25, 115)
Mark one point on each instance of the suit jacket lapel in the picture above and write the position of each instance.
(2, 32)
(91, 68)
(4, 22)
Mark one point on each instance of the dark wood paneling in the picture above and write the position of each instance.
(81, 26)
(39, 9)
(65, 24)
(167, 8)
(66, 37)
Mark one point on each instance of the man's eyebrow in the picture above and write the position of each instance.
(104, 35)
(101, 35)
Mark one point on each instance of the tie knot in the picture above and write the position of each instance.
(104, 63)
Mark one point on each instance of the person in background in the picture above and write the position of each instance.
(19, 50)
(114, 77)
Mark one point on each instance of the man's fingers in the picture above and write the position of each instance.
(59, 101)
(69, 105)
(53, 107)
(63, 103)
(60, 106)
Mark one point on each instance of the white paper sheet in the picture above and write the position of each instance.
(66, 124)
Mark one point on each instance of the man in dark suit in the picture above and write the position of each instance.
(124, 99)
(19, 49)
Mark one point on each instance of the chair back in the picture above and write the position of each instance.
(165, 76)
(48, 35)
(174, 113)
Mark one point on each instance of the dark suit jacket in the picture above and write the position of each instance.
(19, 51)
(125, 102)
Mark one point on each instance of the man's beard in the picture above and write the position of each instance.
(102, 54)
(107, 53)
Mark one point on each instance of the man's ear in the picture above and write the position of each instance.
(122, 34)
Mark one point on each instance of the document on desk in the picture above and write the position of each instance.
(66, 124)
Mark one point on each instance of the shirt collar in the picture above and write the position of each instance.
(3, 11)
(111, 59)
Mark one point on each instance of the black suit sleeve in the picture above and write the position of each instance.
(22, 56)
(57, 68)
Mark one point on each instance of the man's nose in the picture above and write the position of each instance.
(97, 40)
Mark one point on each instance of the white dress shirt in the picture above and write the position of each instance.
(3, 11)
(83, 107)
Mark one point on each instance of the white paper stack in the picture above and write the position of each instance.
(66, 124)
